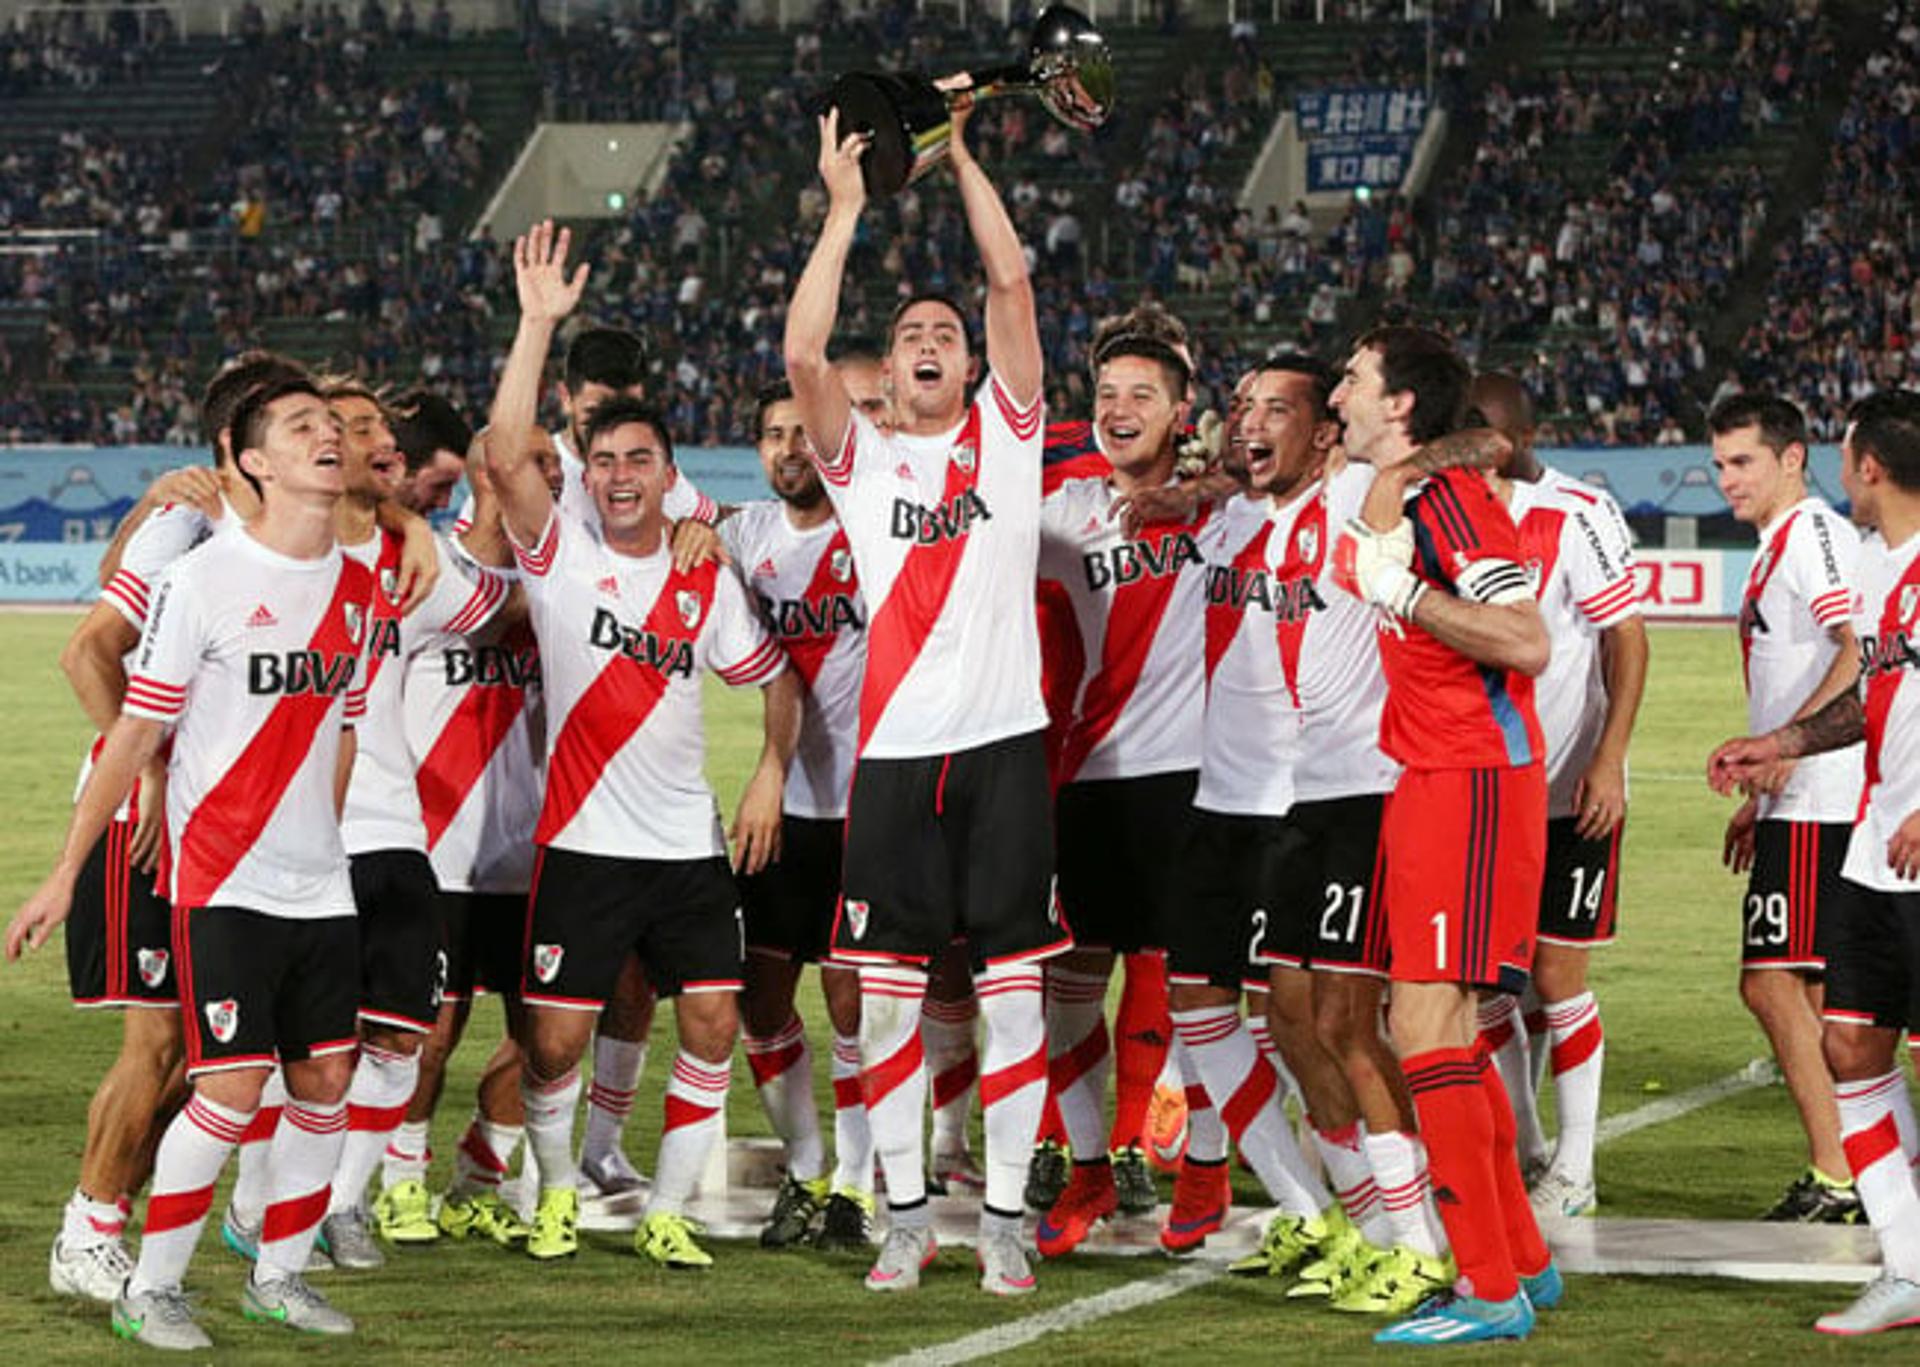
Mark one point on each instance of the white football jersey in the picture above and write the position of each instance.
(477, 731)
(808, 592)
(1336, 669)
(1579, 559)
(946, 533)
(383, 800)
(1887, 622)
(255, 659)
(622, 642)
(1800, 587)
(1137, 613)
(1260, 590)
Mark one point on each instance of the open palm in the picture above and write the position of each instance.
(540, 271)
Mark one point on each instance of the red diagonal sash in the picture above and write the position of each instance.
(1306, 553)
(230, 818)
(1223, 619)
(899, 627)
(1133, 624)
(1757, 579)
(808, 651)
(616, 705)
(467, 744)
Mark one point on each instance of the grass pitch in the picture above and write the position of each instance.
(1668, 996)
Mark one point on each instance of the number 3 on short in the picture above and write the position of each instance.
(1439, 942)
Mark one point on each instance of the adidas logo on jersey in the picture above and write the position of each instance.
(262, 617)
(905, 471)
(609, 585)
(765, 569)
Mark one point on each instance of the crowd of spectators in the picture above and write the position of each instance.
(44, 50)
(1842, 315)
(1594, 231)
(1599, 224)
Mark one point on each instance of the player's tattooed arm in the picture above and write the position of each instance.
(1480, 447)
(1842, 676)
(824, 406)
(129, 747)
(756, 826)
(1835, 726)
(1736, 764)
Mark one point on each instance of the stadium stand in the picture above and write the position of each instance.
(1608, 180)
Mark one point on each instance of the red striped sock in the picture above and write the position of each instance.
(1457, 1124)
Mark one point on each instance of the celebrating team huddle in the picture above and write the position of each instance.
(1315, 720)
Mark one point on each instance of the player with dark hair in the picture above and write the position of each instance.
(949, 828)
(798, 565)
(1873, 918)
(1588, 698)
(1790, 836)
(433, 439)
(1464, 832)
(631, 858)
(252, 655)
(1128, 655)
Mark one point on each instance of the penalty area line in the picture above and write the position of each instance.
(1005, 1338)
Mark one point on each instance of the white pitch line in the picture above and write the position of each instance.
(1758, 1073)
(1005, 1338)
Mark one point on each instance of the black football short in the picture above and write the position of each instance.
(789, 904)
(1236, 868)
(681, 916)
(1119, 843)
(1872, 940)
(120, 931)
(948, 846)
(403, 957)
(1580, 894)
(1796, 872)
(258, 989)
(1327, 910)
(485, 932)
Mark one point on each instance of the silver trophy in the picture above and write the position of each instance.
(1068, 67)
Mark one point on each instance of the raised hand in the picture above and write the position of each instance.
(540, 273)
(840, 163)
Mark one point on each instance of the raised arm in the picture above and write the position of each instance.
(824, 407)
(546, 296)
(1013, 328)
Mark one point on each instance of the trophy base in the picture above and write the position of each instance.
(907, 117)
